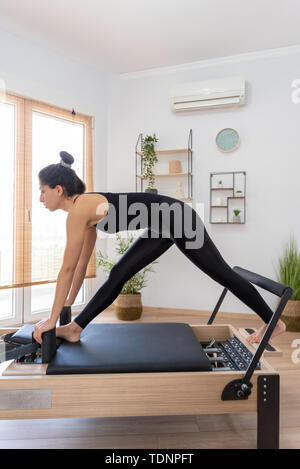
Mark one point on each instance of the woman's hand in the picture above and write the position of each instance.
(41, 327)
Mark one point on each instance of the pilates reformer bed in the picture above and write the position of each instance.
(144, 369)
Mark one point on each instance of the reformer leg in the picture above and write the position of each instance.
(268, 412)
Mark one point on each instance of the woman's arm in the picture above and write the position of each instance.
(76, 229)
(80, 271)
(76, 226)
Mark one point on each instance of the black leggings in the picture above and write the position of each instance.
(144, 250)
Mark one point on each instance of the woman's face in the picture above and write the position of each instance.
(51, 198)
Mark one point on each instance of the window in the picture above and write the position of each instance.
(7, 157)
(32, 238)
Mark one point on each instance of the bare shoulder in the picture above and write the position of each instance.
(89, 208)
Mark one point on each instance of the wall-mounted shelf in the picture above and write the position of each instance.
(234, 181)
(166, 175)
(169, 152)
(221, 188)
(188, 175)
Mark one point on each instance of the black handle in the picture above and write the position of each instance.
(266, 283)
(49, 345)
(65, 316)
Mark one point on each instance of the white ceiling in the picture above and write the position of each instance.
(129, 35)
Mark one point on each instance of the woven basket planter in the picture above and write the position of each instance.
(291, 316)
(128, 307)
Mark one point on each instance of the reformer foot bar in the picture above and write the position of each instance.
(268, 387)
(166, 366)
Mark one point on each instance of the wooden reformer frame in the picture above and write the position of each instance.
(26, 392)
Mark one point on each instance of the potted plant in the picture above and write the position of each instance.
(220, 184)
(149, 159)
(236, 218)
(289, 275)
(128, 305)
(239, 193)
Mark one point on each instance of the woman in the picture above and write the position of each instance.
(111, 212)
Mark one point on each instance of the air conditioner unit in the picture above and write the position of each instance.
(222, 92)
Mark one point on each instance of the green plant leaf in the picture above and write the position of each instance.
(138, 281)
(289, 268)
(149, 158)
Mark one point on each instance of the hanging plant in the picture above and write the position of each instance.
(149, 159)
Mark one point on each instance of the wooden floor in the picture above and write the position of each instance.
(184, 432)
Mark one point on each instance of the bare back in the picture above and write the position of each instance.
(92, 205)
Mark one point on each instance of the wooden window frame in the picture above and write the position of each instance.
(23, 193)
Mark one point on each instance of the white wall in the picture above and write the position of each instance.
(269, 152)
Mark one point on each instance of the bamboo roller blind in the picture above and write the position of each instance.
(22, 230)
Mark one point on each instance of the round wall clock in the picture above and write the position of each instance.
(227, 140)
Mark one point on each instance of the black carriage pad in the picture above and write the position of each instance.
(131, 348)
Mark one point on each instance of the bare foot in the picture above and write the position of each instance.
(71, 332)
(256, 337)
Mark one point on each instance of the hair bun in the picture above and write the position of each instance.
(66, 158)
